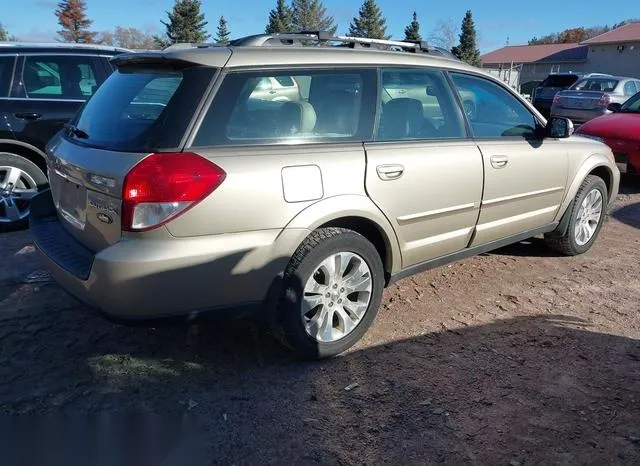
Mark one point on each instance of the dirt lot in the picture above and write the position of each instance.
(516, 357)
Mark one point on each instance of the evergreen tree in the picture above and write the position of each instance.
(72, 17)
(412, 31)
(186, 23)
(467, 50)
(4, 35)
(222, 33)
(311, 15)
(280, 19)
(369, 23)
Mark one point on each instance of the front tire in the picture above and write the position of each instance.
(587, 216)
(332, 290)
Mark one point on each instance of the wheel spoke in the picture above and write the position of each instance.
(346, 322)
(358, 282)
(328, 268)
(11, 211)
(24, 194)
(314, 287)
(357, 308)
(325, 329)
(309, 303)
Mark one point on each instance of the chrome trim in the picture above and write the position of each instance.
(433, 213)
(516, 218)
(499, 200)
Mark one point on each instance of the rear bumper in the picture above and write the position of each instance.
(148, 279)
(576, 115)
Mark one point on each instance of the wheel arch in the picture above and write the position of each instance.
(28, 151)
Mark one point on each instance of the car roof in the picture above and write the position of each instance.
(58, 47)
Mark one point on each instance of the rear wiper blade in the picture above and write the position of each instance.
(77, 132)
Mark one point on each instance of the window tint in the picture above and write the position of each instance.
(59, 77)
(141, 109)
(493, 111)
(303, 106)
(629, 88)
(417, 104)
(593, 84)
(6, 70)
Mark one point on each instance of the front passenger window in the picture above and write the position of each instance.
(492, 111)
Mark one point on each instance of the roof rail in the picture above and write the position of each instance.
(63, 45)
(326, 38)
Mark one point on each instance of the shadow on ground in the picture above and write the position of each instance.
(533, 390)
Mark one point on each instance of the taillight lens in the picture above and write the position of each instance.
(163, 186)
(604, 100)
(556, 99)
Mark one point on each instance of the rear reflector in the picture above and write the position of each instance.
(163, 186)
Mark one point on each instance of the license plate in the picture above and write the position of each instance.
(71, 201)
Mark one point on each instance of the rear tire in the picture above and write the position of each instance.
(17, 190)
(332, 290)
(588, 211)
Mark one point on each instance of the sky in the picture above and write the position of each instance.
(496, 21)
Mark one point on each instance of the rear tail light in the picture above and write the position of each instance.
(604, 100)
(556, 99)
(163, 186)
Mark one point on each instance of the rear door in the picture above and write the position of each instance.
(525, 175)
(422, 170)
(7, 64)
(49, 89)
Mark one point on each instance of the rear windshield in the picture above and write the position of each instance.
(559, 81)
(593, 84)
(142, 109)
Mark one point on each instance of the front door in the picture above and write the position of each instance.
(422, 171)
(525, 175)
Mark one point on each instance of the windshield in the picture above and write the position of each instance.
(632, 105)
(596, 84)
(562, 80)
(141, 109)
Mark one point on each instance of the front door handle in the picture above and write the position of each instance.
(390, 172)
(28, 115)
(499, 161)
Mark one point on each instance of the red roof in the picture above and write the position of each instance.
(627, 33)
(525, 53)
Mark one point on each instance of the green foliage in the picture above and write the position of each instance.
(280, 19)
(72, 18)
(412, 31)
(186, 23)
(222, 33)
(468, 50)
(369, 23)
(311, 15)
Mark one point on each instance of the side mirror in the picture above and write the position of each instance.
(559, 128)
(615, 107)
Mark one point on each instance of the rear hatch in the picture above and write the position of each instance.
(142, 108)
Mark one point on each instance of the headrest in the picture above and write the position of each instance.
(297, 117)
(401, 118)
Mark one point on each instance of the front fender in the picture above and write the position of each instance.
(334, 208)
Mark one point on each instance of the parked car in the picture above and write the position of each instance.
(303, 210)
(527, 89)
(589, 97)
(544, 93)
(41, 87)
(620, 131)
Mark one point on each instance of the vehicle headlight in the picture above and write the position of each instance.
(589, 136)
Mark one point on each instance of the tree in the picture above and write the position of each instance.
(72, 17)
(369, 23)
(444, 35)
(280, 19)
(4, 35)
(222, 33)
(311, 15)
(186, 24)
(128, 38)
(412, 31)
(467, 50)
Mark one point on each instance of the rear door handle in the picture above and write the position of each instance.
(499, 161)
(390, 172)
(28, 115)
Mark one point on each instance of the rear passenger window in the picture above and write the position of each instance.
(492, 111)
(629, 89)
(6, 71)
(59, 77)
(301, 106)
(417, 104)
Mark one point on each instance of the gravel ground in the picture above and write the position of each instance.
(516, 357)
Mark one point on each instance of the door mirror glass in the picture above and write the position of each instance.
(614, 107)
(559, 128)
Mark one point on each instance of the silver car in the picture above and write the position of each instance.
(181, 188)
(590, 97)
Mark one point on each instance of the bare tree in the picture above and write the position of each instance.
(444, 35)
(128, 38)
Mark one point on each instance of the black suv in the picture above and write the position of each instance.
(41, 87)
(543, 95)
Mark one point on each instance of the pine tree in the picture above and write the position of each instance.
(72, 17)
(369, 23)
(467, 50)
(222, 33)
(280, 19)
(4, 35)
(311, 15)
(412, 31)
(186, 23)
